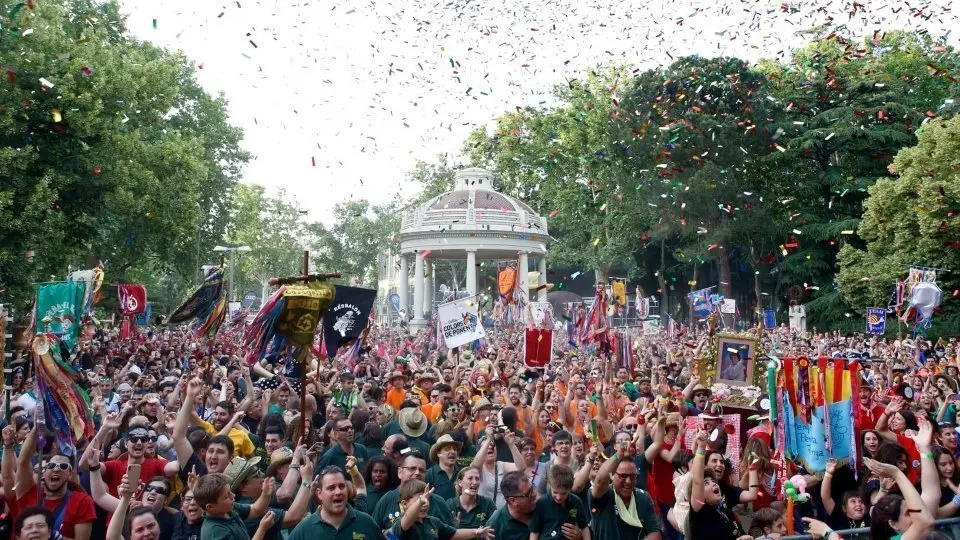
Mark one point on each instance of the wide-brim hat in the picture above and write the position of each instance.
(701, 389)
(466, 357)
(239, 470)
(413, 423)
(425, 375)
(278, 458)
(481, 403)
(397, 375)
(444, 440)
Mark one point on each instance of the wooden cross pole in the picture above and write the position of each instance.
(304, 278)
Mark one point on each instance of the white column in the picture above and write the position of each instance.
(417, 322)
(428, 290)
(472, 271)
(524, 271)
(542, 267)
(403, 285)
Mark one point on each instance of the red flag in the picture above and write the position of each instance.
(538, 347)
(133, 299)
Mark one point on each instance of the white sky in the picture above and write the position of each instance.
(365, 89)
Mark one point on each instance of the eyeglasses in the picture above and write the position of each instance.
(60, 466)
(188, 498)
(157, 489)
(528, 494)
(626, 476)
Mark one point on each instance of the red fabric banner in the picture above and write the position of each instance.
(133, 299)
(538, 347)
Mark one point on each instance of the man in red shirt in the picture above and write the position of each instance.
(870, 410)
(135, 441)
(73, 510)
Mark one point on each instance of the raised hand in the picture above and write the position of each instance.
(267, 520)
(9, 435)
(351, 463)
(111, 421)
(831, 465)
(125, 490)
(269, 484)
(924, 437)
(881, 470)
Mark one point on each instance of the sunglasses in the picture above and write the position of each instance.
(630, 427)
(345, 429)
(55, 466)
(136, 439)
(157, 489)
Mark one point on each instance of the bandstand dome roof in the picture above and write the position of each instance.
(473, 216)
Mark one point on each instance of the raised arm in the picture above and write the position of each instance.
(25, 478)
(98, 488)
(895, 405)
(929, 475)
(921, 516)
(482, 451)
(582, 478)
(301, 503)
(8, 467)
(180, 442)
(262, 504)
(651, 452)
(696, 470)
(519, 462)
(826, 485)
(358, 482)
(115, 529)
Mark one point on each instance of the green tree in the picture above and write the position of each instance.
(273, 228)
(910, 219)
(360, 234)
(110, 149)
(572, 164)
(846, 111)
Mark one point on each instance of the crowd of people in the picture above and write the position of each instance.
(412, 440)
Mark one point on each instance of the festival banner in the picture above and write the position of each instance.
(459, 322)
(618, 288)
(876, 320)
(347, 317)
(643, 307)
(507, 281)
(62, 304)
(537, 347)
(769, 318)
(133, 299)
(143, 318)
(818, 411)
(700, 303)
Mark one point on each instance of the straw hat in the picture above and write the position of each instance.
(278, 458)
(396, 375)
(701, 389)
(413, 423)
(444, 440)
(240, 470)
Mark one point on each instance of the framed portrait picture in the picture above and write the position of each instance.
(735, 360)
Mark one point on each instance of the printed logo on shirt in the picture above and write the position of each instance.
(573, 512)
(482, 517)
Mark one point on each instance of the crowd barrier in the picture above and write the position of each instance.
(949, 527)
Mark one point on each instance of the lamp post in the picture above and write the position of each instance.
(233, 251)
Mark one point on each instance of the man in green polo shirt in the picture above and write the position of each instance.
(336, 519)
(624, 512)
(411, 467)
(510, 522)
(344, 445)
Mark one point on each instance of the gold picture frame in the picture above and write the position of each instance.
(731, 359)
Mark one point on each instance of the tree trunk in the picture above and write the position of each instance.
(601, 273)
(693, 316)
(662, 280)
(723, 266)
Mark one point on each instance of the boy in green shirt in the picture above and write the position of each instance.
(415, 524)
(224, 519)
(560, 508)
